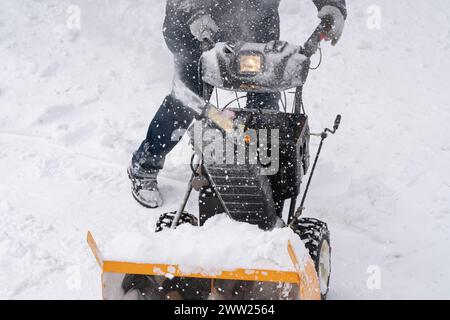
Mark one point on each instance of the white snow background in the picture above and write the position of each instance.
(75, 104)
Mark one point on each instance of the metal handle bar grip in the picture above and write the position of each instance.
(312, 44)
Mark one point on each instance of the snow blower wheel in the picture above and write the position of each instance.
(316, 237)
(166, 219)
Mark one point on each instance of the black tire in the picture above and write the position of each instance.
(165, 220)
(315, 235)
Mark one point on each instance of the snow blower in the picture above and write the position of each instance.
(259, 159)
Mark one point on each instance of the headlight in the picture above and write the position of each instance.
(250, 64)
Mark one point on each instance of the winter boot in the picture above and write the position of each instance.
(144, 187)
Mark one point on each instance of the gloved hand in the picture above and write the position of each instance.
(333, 21)
(203, 27)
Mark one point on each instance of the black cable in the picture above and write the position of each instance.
(284, 103)
(237, 99)
(201, 84)
(194, 171)
(229, 103)
(320, 60)
(217, 98)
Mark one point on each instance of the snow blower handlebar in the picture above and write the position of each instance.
(312, 44)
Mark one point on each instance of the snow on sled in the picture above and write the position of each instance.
(224, 259)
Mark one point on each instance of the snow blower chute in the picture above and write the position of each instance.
(257, 164)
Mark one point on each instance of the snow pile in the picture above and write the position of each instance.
(220, 245)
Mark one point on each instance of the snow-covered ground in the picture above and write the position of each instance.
(75, 104)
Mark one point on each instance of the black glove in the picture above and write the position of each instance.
(333, 21)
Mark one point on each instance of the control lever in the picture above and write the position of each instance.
(323, 136)
(336, 125)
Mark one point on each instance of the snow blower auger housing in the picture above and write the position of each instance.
(127, 280)
(249, 190)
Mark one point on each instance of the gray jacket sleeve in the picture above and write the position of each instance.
(187, 8)
(176, 24)
(340, 4)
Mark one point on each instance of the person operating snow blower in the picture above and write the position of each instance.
(187, 24)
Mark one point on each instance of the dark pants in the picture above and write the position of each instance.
(172, 114)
